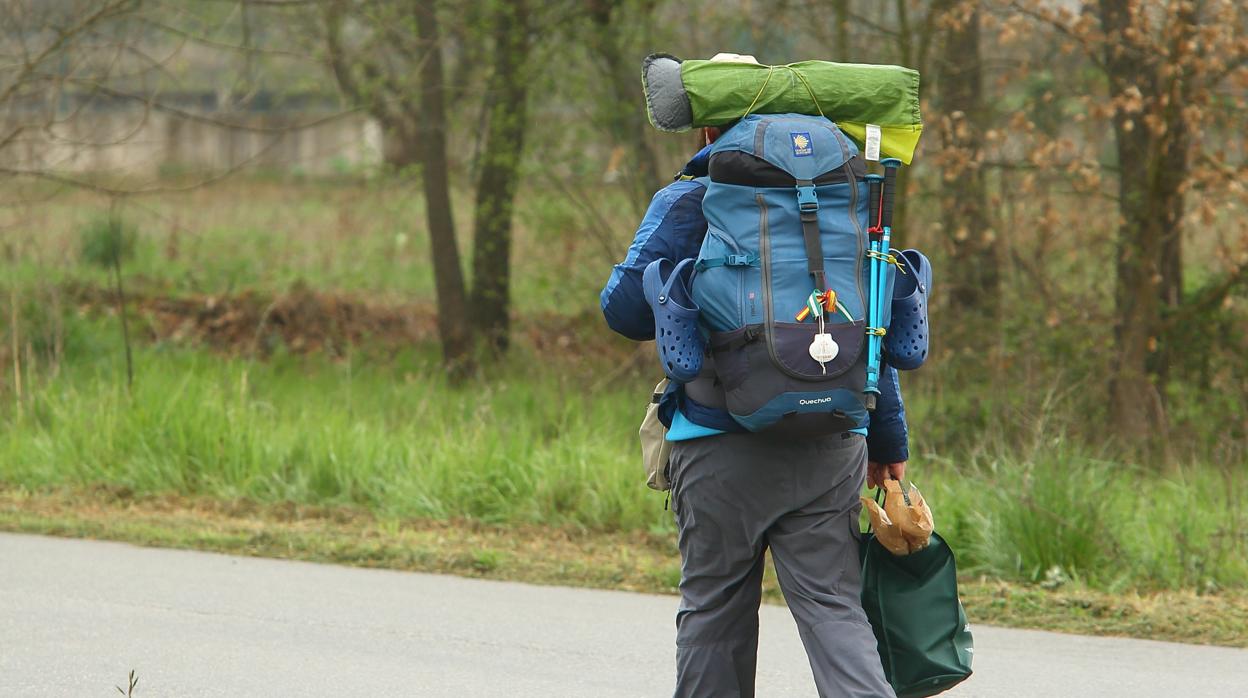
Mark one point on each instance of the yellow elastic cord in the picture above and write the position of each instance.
(887, 259)
(809, 89)
(770, 69)
(805, 83)
(877, 331)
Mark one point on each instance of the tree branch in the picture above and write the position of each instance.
(104, 12)
(212, 43)
(1210, 296)
(156, 105)
(1089, 50)
(337, 57)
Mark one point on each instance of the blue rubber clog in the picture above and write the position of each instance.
(676, 333)
(907, 340)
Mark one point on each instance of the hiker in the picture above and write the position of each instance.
(736, 494)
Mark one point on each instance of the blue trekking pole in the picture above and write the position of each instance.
(875, 184)
(881, 191)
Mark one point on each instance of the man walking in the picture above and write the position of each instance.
(737, 494)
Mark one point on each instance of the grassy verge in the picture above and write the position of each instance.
(634, 561)
(549, 439)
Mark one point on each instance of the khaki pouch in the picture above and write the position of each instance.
(655, 448)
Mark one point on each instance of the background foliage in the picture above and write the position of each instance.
(345, 337)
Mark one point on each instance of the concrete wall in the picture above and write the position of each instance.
(132, 143)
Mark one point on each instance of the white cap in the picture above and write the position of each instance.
(734, 58)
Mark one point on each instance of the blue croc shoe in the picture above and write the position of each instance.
(907, 339)
(676, 333)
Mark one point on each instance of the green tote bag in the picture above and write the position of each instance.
(912, 602)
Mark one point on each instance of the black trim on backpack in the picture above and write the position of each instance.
(737, 167)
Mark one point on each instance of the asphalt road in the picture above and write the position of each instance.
(76, 616)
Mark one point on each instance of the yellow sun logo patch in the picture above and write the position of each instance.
(801, 144)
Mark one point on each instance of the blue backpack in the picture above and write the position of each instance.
(786, 208)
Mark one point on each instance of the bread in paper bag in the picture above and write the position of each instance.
(904, 525)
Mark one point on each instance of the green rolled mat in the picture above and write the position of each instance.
(681, 95)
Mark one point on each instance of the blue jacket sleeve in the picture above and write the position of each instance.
(673, 228)
(887, 433)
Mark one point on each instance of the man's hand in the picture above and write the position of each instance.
(878, 472)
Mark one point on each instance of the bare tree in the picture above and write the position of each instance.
(507, 118)
(389, 57)
(51, 46)
(1166, 65)
(963, 114)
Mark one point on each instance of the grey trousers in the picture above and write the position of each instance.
(736, 495)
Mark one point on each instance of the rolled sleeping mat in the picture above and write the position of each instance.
(681, 95)
(909, 333)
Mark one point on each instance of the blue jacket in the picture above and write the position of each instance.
(673, 227)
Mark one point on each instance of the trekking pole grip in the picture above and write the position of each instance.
(874, 184)
(890, 189)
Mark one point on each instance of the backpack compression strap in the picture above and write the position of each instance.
(732, 260)
(808, 209)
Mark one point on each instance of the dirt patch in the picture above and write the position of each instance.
(306, 321)
(302, 321)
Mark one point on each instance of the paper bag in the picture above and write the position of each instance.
(904, 525)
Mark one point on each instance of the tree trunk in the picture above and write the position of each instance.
(840, 15)
(1153, 164)
(1171, 172)
(1135, 404)
(427, 143)
(974, 277)
(499, 173)
(906, 57)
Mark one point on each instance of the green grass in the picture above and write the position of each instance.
(1058, 516)
(546, 440)
(391, 438)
